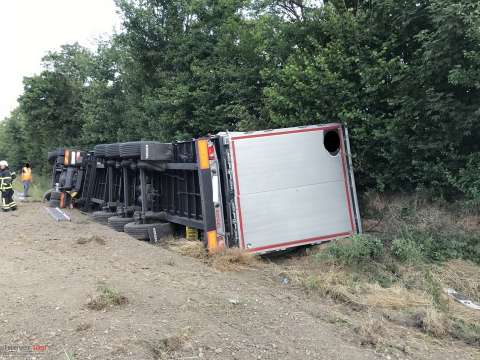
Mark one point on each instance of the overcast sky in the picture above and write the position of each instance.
(30, 28)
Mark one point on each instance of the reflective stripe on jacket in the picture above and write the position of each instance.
(6, 180)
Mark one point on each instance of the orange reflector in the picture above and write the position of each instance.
(66, 158)
(212, 240)
(202, 146)
(62, 200)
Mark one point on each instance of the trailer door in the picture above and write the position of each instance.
(291, 187)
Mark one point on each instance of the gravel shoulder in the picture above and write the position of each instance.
(178, 307)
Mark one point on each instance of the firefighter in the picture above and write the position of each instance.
(6, 189)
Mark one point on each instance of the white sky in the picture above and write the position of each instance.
(30, 28)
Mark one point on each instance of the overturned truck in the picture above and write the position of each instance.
(260, 191)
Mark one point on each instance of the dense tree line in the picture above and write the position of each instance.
(403, 75)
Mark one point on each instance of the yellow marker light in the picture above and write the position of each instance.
(202, 146)
(212, 240)
(66, 157)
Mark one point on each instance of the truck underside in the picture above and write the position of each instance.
(261, 191)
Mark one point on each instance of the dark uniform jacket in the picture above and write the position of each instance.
(6, 179)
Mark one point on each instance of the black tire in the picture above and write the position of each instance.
(101, 216)
(55, 195)
(100, 150)
(46, 196)
(112, 151)
(53, 155)
(131, 149)
(160, 232)
(140, 231)
(137, 231)
(54, 203)
(117, 223)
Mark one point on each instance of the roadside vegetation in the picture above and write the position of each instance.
(399, 271)
(39, 186)
(232, 259)
(390, 281)
(402, 75)
(108, 298)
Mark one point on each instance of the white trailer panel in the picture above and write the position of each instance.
(289, 189)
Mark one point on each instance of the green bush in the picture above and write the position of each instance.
(406, 250)
(468, 332)
(410, 245)
(360, 250)
(468, 181)
(413, 245)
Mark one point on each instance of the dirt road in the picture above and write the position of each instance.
(177, 306)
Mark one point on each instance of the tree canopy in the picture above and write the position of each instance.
(404, 76)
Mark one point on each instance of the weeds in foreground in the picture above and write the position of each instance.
(403, 270)
(232, 259)
(94, 238)
(38, 187)
(167, 346)
(108, 298)
(69, 355)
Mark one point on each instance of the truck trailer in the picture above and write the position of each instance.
(260, 191)
(278, 189)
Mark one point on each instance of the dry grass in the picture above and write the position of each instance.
(463, 276)
(408, 302)
(83, 327)
(371, 330)
(173, 343)
(339, 285)
(389, 214)
(234, 260)
(402, 296)
(165, 348)
(334, 283)
(108, 298)
(431, 321)
(395, 297)
(94, 238)
(194, 249)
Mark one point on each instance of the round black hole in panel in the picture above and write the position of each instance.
(331, 141)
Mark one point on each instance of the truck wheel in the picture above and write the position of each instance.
(132, 149)
(117, 223)
(47, 195)
(159, 232)
(101, 217)
(137, 231)
(99, 150)
(141, 231)
(54, 203)
(55, 195)
(52, 156)
(112, 151)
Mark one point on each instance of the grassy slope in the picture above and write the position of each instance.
(38, 187)
(399, 272)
